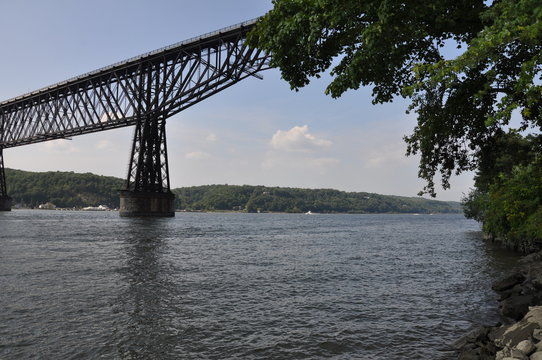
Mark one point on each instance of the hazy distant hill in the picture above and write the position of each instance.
(68, 189)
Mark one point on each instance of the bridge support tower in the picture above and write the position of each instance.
(5, 200)
(147, 192)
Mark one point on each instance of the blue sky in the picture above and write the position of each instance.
(257, 132)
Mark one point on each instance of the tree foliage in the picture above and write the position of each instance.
(402, 48)
(507, 197)
(512, 207)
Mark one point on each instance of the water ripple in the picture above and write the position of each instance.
(241, 286)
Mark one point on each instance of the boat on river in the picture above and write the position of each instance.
(96, 208)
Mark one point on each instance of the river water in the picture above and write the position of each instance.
(92, 285)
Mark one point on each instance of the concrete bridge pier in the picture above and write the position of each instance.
(5, 203)
(145, 204)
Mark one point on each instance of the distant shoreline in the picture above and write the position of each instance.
(69, 190)
(245, 212)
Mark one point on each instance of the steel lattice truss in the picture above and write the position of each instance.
(148, 170)
(3, 188)
(155, 85)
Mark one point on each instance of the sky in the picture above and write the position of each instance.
(257, 132)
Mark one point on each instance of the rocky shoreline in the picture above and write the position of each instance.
(520, 304)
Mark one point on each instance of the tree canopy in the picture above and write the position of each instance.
(507, 197)
(403, 48)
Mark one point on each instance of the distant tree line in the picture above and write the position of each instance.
(294, 200)
(72, 190)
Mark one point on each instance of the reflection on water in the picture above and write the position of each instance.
(93, 285)
(148, 332)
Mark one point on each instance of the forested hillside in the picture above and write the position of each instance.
(276, 199)
(69, 190)
(64, 189)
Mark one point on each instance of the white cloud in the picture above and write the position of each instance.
(104, 145)
(298, 153)
(60, 146)
(197, 155)
(211, 138)
(298, 139)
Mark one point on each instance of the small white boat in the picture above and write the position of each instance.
(96, 208)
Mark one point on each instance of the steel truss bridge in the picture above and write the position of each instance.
(142, 91)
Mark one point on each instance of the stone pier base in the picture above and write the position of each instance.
(146, 204)
(5, 203)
